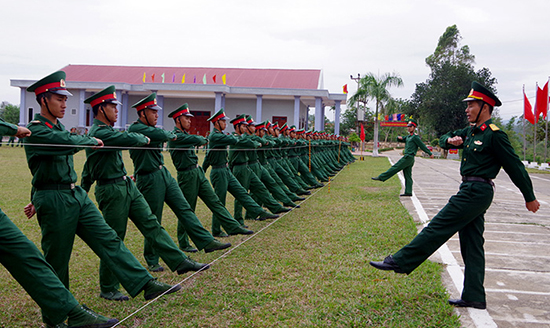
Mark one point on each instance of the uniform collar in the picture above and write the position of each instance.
(44, 120)
(100, 123)
(484, 126)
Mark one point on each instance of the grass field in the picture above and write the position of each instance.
(308, 269)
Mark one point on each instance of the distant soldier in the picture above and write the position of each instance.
(221, 177)
(406, 163)
(191, 178)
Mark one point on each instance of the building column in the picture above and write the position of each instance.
(259, 103)
(124, 113)
(218, 102)
(23, 109)
(337, 117)
(297, 111)
(319, 115)
(160, 102)
(223, 100)
(119, 108)
(81, 109)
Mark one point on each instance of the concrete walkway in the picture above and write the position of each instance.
(517, 245)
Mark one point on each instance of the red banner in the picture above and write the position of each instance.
(528, 112)
(393, 123)
(541, 106)
(362, 136)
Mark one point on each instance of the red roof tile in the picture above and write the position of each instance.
(235, 77)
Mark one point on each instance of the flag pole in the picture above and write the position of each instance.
(546, 115)
(535, 128)
(524, 119)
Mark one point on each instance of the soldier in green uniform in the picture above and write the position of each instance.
(255, 163)
(117, 195)
(221, 177)
(238, 162)
(405, 164)
(261, 130)
(64, 209)
(191, 178)
(27, 265)
(486, 149)
(158, 186)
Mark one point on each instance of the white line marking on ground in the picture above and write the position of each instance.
(481, 318)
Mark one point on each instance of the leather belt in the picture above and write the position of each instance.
(55, 186)
(189, 168)
(239, 164)
(252, 162)
(147, 173)
(477, 179)
(103, 182)
(219, 166)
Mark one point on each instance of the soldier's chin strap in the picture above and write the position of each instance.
(46, 103)
(480, 110)
(146, 120)
(105, 115)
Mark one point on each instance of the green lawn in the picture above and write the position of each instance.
(309, 269)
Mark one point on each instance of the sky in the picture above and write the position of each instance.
(342, 38)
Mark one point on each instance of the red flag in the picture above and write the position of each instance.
(153, 77)
(362, 136)
(541, 106)
(345, 88)
(528, 112)
(214, 78)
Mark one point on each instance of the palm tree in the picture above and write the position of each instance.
(375, 87)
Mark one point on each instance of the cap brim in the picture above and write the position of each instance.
(470, 99)
(155, 107)
(62, 92)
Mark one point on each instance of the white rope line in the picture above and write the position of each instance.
(226, 253)
(167, 148)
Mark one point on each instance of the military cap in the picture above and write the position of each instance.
(107, 95)
(220, 115)
(268, 124)
(148, 102)
(412, 121)
(300, 131)
(261, 126)
(54, 83)
(276, 125)
(249, 120)
(284, 127)
(479, 92)
(183, 110)
(292, 128)
(241, 119)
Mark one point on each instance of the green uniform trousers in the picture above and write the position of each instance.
(464, 213)
(305, 175)
(293, 197)
(404, 164)
(285, 163)
(285, 176)
(223, 181)
(258, 190)
(193, 184)
(117, 202)
(159, 187)
(27, 265)
(62, 214)
(271, 185)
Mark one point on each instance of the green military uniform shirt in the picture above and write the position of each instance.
(146, 161)
(412, 143)
(103, 163)
(219, 141)
(184, 158)
(485, 150)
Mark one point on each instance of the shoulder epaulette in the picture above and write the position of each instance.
(494, 127)
(35, 121)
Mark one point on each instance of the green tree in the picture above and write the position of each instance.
(375, 87)
(438, 101)
(9, 113)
